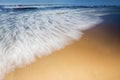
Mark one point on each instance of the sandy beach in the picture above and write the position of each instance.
(96, 56)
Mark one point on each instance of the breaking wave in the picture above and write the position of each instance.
(27, 34)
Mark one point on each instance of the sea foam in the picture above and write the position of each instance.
(25, 35)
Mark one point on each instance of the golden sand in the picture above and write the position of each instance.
(96, 56)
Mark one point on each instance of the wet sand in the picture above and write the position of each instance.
(96, 56)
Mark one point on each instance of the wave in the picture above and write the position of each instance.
(29, 34)
(48, 7)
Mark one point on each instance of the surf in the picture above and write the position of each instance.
(27, 34)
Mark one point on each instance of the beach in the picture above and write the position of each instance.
(96, 56)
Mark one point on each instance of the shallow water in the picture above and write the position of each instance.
(95, 55)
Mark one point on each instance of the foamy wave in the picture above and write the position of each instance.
(27, 35)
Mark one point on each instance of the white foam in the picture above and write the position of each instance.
(27, 35)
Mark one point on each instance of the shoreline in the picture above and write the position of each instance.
(96, 56)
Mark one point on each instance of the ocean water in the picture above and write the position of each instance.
(27, 32)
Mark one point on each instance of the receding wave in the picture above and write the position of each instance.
(25, 35)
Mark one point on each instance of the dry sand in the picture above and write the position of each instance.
(96, 56)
